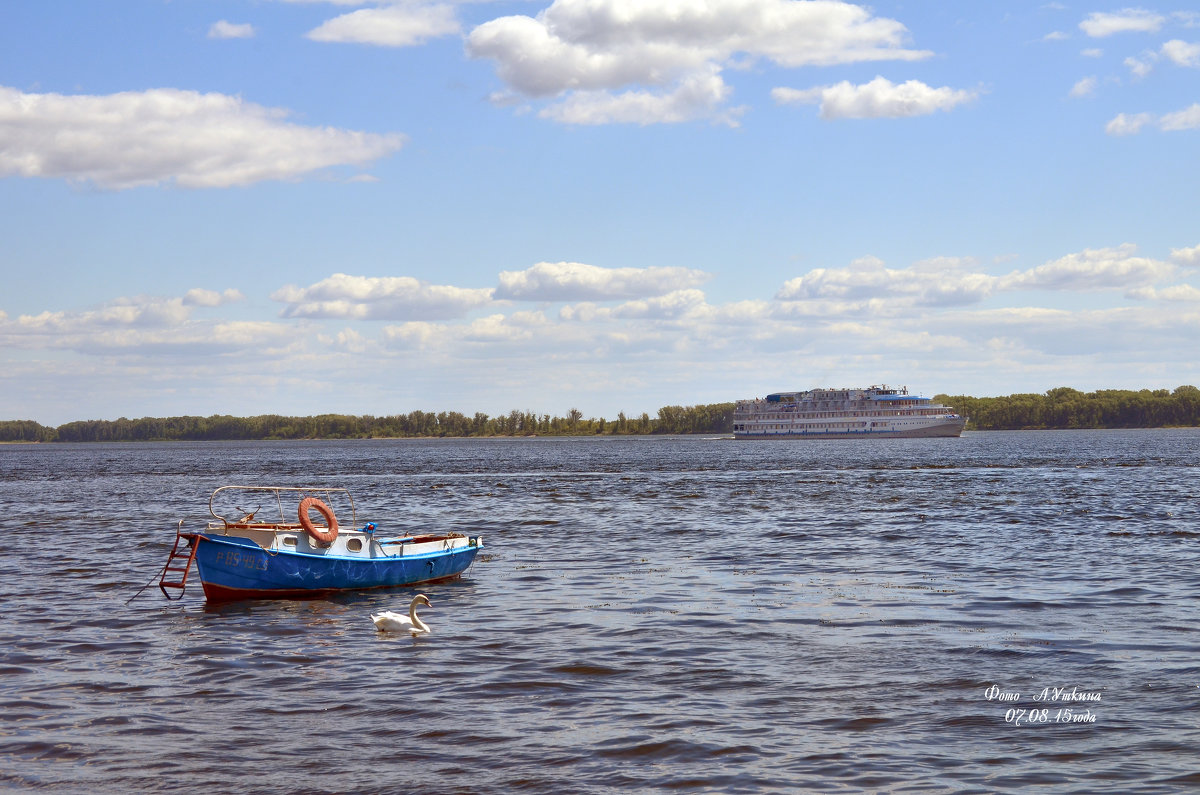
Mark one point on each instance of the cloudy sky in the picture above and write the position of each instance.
(371, 207)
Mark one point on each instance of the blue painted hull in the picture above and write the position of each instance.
(233, 568)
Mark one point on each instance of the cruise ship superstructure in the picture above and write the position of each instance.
(877, 411)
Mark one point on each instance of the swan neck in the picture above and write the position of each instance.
(412, 614)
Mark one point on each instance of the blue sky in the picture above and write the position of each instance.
(612, 205)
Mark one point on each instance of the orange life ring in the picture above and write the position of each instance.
(323, 535)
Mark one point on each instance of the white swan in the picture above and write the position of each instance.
(391, 621)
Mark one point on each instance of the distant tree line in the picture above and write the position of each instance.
(1069, 408)
(25, 431)
(716, 418)
(1059, 408)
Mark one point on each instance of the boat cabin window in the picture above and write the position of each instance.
(289, 541)
(354, 544)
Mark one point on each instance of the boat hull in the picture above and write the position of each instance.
(233, 568)
(933, 431)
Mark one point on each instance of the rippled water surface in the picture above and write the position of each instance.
(685, 614)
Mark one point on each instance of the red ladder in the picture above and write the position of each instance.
(171, 568)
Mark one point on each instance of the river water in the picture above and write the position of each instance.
(1000, 612)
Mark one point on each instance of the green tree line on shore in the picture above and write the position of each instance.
(1065, 408)
(715, 418)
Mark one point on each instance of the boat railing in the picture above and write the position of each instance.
(246, 515)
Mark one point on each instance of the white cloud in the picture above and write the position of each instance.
(1181, 53)
(955, 281)
(484, 337)
(697, 96)
(1186, 256)
(201, 297)
(158, 136)
(1179, 292)
(1055, 35)
(667, 307)
(1084, 88)
(1128, 124)
(1140, 68)
(935, 282)
(229, 30)
(494, 329)
(245, 334)
(414, 334)
(121, 313)
(674, 50)
(1092, 52)
(678, 309)
(1129, 20)
(380, 298)
(879, 98)
(350, 341)
(140, 325)
(1186, 119)
(1092, 269)
(390, 26)
(576, 281)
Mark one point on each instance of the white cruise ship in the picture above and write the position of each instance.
(844, 413)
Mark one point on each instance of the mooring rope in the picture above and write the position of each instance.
(160, 574)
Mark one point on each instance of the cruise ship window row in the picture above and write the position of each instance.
(795, 416)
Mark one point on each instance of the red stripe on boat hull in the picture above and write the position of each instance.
(223, 593)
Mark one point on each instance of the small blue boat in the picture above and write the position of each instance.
(241, 556)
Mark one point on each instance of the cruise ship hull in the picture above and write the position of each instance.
(938, 430)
